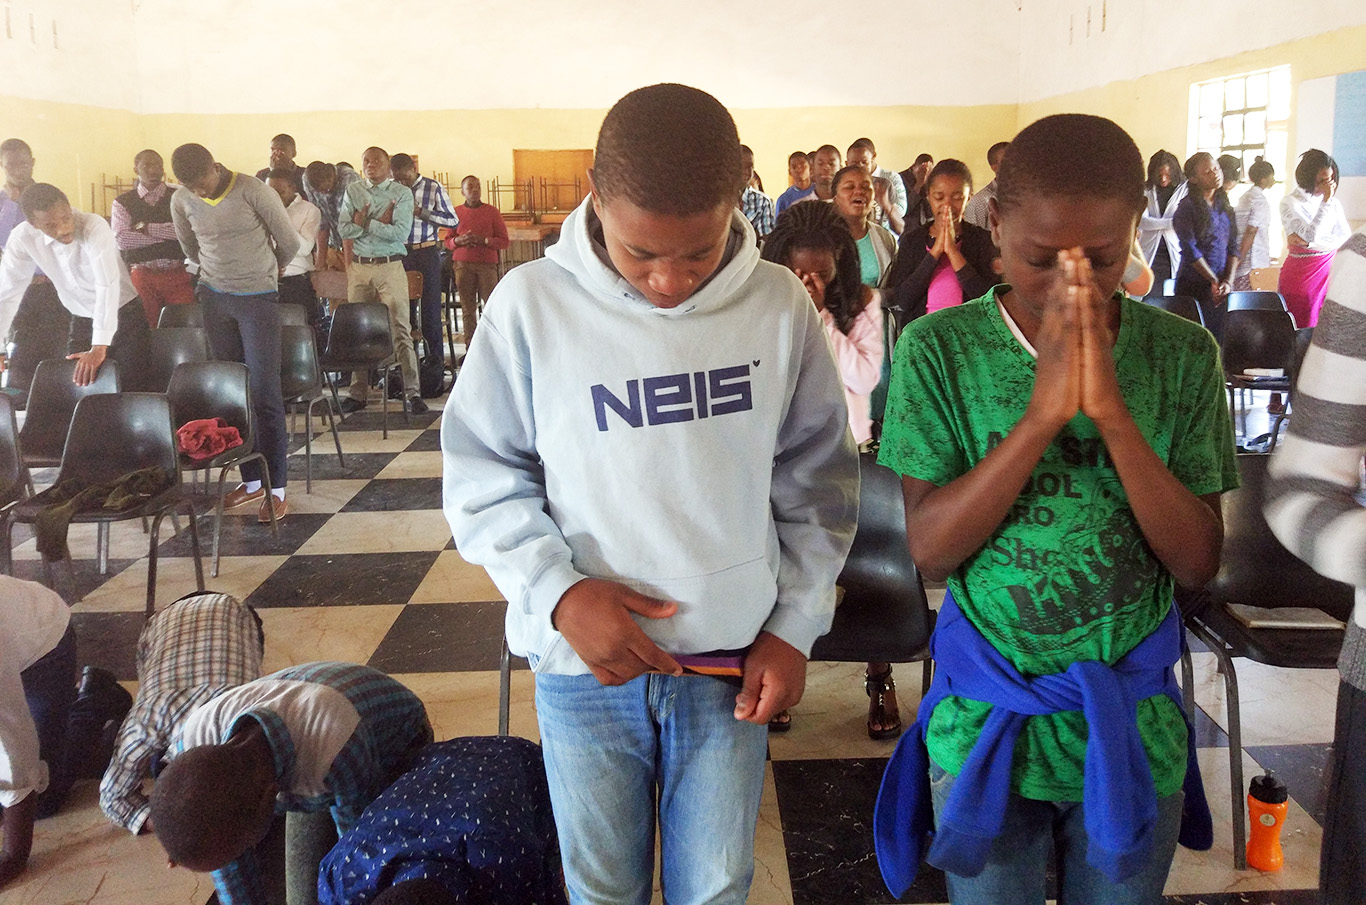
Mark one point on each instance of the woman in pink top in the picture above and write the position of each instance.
(814, 242)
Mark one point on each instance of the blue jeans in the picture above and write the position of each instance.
(1014, 874)
(613, 752)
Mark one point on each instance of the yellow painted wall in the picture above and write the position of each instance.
(1155, 108)
(73, 145)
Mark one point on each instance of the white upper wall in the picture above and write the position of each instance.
(261, 56)
(1132, 38)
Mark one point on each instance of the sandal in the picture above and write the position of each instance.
(882, 708)
(781, 722)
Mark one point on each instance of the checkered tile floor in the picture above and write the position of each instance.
(364, 570)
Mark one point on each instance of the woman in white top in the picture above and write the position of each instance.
(1156, 237)
(1315, 227)
(1254, 224)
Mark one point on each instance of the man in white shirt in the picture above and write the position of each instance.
(77, 251)
(296, 284)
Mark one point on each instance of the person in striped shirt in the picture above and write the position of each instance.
(1313, 506)
(431, 209)
(307, 739)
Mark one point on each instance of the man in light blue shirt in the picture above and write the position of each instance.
(377, 215)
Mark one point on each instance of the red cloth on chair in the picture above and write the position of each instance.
(207, 437)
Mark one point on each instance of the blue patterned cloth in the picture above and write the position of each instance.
(472, 814)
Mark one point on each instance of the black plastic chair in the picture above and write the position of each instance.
(1304, 336)
(303, 385)
(359, 340)
(1256, 570)
(1261, 299)
(113, 435)
(189, 315)
(52, 400)
(13, 476)
(1257, 338)
(292, 315)
(883, 616)
(168, 347)
(219, 389)
(1180, 305)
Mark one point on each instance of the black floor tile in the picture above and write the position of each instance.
(395, 495)
(1304, 770)
(1268, 897)
(450, 544)
(427, 441)
(108, 640)
(372, 419)
(325, 468)
(827, 810)
(351, 579)
(244, 536)
(86, 575)
(444, 637)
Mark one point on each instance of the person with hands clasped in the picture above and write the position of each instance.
(1207, 229)
(1062, 448)
(690, 487)
(1315, 227)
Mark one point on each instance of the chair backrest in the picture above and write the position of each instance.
(1180, 305)
(11, 462)
(292, 315)
(884, 615)
(1255, 568)
(1258, 338)
(360, 332)
(1304, 336)
(329, 285)
(213, 389)
(414, 285)
(190, 315)
(299, 372)
(52, 399)
(1255, 298)
(168, 347)
(114, 434)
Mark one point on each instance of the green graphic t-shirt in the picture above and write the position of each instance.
(1067, 576)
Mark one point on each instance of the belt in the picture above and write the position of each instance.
(384, 260)
(418, 245)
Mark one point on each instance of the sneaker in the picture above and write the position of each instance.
(240, 497)
(349, 405)
(417, 405)
(281, 510)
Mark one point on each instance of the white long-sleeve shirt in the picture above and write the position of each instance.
(35, 621)
(305, 217)
(90, 276)
(1323, 226)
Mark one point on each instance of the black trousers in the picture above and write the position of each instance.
(1342, 860)
(128, 347)
(298, 290)
(427, 261)
(38, 332)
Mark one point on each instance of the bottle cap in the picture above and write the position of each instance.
(1269, 789)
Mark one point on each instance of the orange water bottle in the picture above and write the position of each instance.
(1266, 803)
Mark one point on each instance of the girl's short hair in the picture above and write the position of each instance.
(1307, 170)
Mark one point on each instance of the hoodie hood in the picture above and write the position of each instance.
(581, 253)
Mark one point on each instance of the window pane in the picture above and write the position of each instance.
(1211, 99)
(1257, 90)
(1276, 148)
(1233, 129)
(1278, 107)
(1233, 94)
(1210, 132)
(1254, 128)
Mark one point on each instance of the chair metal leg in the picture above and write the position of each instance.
(336, 400)
(504, 688)
(102, 546)
(6, 555)
(1235, 745)
(384, 400)
(152, 567)
(926, 677)
(1188, 682)
(218, 521)
(194, 546)
(308, 449)
(336, 438)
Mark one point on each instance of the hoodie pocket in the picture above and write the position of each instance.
(720, 610)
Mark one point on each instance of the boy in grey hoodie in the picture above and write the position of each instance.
(648, 450)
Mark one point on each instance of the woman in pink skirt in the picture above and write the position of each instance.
(1315, 227)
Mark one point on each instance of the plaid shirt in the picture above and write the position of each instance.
(429, 197)
(329, 203)
(390, 725)
(758, 210)
(189, 653)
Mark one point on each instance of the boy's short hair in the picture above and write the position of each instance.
(668, 149)
(10, 145)
(282, 173)
(796, 154)
(922, 157)
(284, 138)
(41, 197)
(418, 891)
(1071, 155)
(199, 799)
(190, 162)
(865, 143)
(319, 171)
(401, 162)
(995, 151)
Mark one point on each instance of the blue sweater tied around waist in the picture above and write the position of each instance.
(1120, 799)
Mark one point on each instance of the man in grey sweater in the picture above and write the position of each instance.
(236, 229)
(1313, 507)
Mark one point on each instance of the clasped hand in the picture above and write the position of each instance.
(1076, 367)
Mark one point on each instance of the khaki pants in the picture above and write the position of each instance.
(387, 283)
(474, 283)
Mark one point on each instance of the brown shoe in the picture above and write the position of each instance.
(240, 497)
(281, 510)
